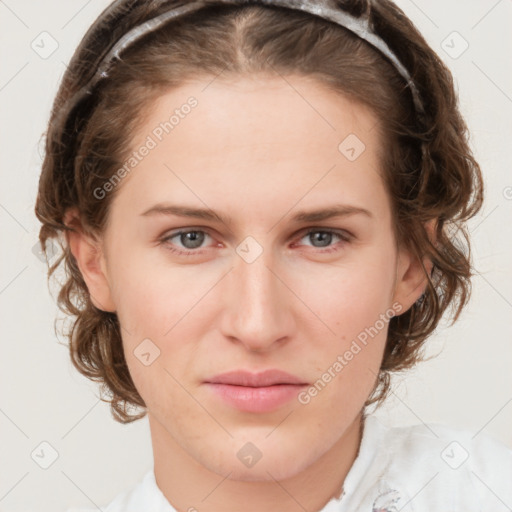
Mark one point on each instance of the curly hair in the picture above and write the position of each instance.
(82, 151)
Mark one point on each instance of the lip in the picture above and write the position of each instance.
(256, 392)
(261, 379)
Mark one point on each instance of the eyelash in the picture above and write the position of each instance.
(344, 236)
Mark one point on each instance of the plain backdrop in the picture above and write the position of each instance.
(44, 400)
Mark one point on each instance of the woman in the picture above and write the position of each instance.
(257, 203)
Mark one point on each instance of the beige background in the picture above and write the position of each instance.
(44, 399)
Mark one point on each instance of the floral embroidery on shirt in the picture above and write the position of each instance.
(385, 501)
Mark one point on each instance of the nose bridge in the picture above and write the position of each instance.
(257, 304)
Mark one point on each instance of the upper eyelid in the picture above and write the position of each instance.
(207, 230)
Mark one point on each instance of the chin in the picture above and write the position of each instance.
(279, 466)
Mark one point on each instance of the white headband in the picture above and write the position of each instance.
(321, 8)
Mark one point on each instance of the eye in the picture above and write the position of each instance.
(190, 240)
(324, 237)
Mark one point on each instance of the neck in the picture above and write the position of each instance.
(187, 484)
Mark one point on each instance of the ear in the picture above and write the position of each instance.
(411, 281)
(90, 259)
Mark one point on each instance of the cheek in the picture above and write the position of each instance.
(153, 296)
(178, 306)
(165, 305)
(352, 295)
(354, 302)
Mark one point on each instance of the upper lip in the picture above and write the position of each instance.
(248, 379)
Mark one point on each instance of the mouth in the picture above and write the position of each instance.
(260, 392)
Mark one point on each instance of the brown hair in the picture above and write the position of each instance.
(85, 149)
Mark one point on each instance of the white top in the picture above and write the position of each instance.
(431, 468)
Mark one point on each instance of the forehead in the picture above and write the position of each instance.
(251, 139)
(247, 112)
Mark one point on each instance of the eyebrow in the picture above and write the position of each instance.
(338, 210)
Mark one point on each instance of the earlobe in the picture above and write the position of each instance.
(91, 263)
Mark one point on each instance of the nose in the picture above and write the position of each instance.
(258, 306)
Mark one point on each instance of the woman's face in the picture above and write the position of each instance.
(254, 291)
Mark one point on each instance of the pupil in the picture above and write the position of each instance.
(195, 237)
(323, 236)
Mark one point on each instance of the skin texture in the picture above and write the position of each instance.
(256, 150)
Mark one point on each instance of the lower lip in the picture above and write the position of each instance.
(249, 399)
